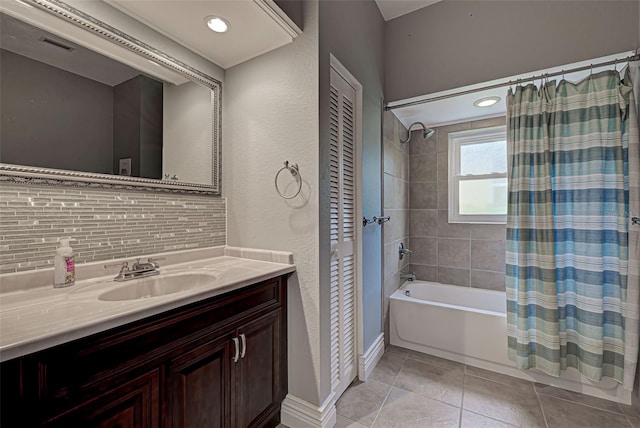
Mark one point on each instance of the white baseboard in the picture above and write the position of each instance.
(298, 413)
(368, 361)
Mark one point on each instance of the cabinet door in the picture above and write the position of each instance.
(133, 404)
(198, 386)
(258, 371)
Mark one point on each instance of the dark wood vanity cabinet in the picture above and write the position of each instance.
(216, 363)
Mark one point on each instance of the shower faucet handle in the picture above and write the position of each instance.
(402, 250)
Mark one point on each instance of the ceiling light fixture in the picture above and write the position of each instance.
(486, 102)
(217, 24)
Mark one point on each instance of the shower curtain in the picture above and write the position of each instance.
(572, 253)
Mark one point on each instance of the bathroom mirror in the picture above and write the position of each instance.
(85, 104)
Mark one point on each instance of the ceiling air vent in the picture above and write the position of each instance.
(56, 44)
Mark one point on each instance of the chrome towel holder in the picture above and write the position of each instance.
(295, 172)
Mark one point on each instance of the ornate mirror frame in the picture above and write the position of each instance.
(49, 176)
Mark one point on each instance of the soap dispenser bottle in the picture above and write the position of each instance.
(64, 265)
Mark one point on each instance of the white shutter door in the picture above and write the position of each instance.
(342, 168)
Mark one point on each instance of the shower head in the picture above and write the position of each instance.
(426, 132)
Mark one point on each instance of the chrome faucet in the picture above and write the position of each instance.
(402, 250)
(409, 276)
(138, 270)
(150, 265)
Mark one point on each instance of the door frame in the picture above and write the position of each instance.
(351, 80)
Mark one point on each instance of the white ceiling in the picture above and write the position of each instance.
(256, 26)
(461, 109)
(24, 39)
(394, 8)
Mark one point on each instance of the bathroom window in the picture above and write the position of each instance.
(478, 176)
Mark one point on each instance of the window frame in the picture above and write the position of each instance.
(456, 141)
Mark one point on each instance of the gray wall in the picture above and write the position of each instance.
(396, 206)
(36, 104)
(270, 114)
(456, 43)
(126, 125)
(271, 108)
(151, 106)
(137, 126)
(452, 253)
(353, 31)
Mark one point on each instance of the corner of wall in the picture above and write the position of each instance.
(270, 114)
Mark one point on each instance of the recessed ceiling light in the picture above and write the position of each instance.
(486, 102)
(217, 24)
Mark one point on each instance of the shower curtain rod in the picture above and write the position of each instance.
(517, 81)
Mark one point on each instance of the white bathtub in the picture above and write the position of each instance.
(469, 325)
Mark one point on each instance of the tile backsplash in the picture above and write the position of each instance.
(103, 224)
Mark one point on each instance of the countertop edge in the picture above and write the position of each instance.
(19, 349)
(21, 281)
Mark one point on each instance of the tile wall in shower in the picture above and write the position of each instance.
(459, 254)
(102, 224)
(396, 206)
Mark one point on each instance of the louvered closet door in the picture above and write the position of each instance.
(343, 210)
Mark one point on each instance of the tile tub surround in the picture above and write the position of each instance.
(396, 206)
(469, 255)
(102, 224)
(411, 389)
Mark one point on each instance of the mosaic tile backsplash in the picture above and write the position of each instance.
(102, 224)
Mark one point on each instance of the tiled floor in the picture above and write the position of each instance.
(413, 390)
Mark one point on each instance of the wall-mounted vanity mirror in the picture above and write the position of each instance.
(82, 102)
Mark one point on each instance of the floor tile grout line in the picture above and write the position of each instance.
(552, 396)
(465, 371)
(496, 381)
(382, 405)
(621, 412)
(388, 393)
(583, 404)
(464, 380)
(492, 418)
(544, 416)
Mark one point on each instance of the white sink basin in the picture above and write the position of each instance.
(158, 286)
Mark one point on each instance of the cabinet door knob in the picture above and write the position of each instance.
(244, 345)
(236, 344)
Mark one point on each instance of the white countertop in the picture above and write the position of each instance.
(36, 318)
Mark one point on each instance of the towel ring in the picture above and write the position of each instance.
(295, 172)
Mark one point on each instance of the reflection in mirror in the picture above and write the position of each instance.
(66, 107)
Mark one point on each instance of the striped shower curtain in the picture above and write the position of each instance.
(572, 299)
